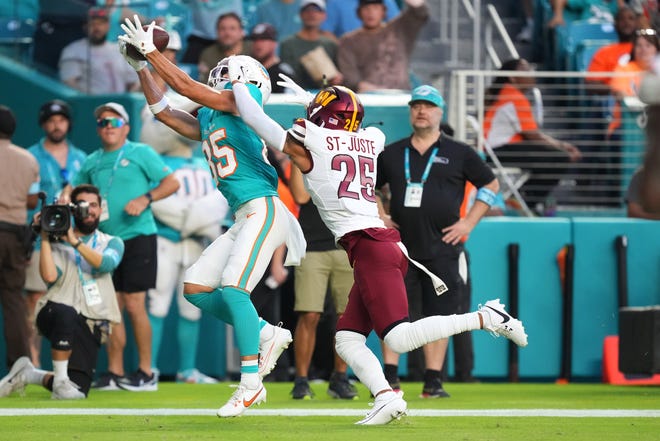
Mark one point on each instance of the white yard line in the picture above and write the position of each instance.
(554, 413)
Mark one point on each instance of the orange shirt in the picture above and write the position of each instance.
(508, 117)
(607, 58)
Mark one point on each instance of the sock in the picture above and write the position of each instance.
(213, 303)
(251, 380)
(188, 336)
(263, 323)
(391, 371)
(60, 369)
(406, 336)
(36, 376)
(157, 324)
(246, 319)
(430, 375)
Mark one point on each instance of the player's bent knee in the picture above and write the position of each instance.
(345, 341)
(398, 339)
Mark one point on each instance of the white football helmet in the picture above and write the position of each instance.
(256, 74)
(219, 76)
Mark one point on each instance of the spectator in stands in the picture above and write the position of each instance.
(19, 180)
(377, 56)
(568, 10)
(264, 49)
(283, 14)
(649, 93)
(80, 261)
(295, 49)
(129, 176)
(203, 33)
(94, 65)
(646, 46)
(229, 41)
(325, 268)
(633, 200)
(342, 18)
(59, 160)
(510, 129)
(60, 22)
(426, 174)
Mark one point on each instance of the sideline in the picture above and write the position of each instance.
(552, 413)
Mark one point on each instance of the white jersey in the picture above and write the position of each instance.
(342, 181)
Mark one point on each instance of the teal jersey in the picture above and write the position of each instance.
(236, 156)
(121, 176)
(196, 181)
(53, 178)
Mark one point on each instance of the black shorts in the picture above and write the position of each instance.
(422, 298)
(137, 270)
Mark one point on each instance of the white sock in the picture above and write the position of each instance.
(60, 369)
(36, 376)
(405, 337)
(251, 381)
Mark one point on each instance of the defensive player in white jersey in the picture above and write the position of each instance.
(338, 161)
(221, 280)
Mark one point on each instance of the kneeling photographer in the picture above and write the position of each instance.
(75, 315)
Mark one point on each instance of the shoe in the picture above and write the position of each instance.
(434, 389)
(66, 390)
(194, 376)
(243, 399)
(139, 382)
(525, 34)
(107, 381)
(16, 379)
(501, 323)
(340, 387)
(301, 389)
(271, 348)
(387, 407)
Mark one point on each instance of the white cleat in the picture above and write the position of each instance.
(243, 399)
(16, 379)
(272, 347)
(387, 407)
(502, 323)
(66, 390)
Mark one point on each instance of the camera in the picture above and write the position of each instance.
(56, 219)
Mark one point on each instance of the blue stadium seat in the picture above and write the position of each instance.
(16, 38)
(568, 37)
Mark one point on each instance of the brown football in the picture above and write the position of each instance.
(161, 38)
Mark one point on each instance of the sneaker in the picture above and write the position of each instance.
(242, 399)
(66, 390)
(16, 379)
(301, 389)
(107, 381)
(139, 382)
(271, 348)
(194, 376)
(434, 389)
(387, 407)
(340, 387)
(501, 323)
(525, 34)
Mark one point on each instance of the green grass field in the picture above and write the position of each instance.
(498, 411)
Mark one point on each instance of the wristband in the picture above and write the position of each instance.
(77, 244)
(149, 196)
(486, 195)
(159, 106)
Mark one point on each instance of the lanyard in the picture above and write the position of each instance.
(65, 174)
(79, 260)
(427, 170)
(114, 169)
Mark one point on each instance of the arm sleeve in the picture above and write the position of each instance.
(112, 255)
(255, 117)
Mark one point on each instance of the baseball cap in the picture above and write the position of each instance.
(368, 2)
(113, 107)
(54, 107)
(318, 3)
(263, 31)
(7, 121)
(429, 94)
(97, 12)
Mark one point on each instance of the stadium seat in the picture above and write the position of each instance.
(568, 37)
(16, 37)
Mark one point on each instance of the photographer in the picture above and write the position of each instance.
(80, 305)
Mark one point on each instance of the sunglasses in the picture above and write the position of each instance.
(114, 122)
(649, 32)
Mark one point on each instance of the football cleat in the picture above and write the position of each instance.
(16, 379)
(387, 407)
(499, 322)
(272, 347)
(66, 390)
(243, 399)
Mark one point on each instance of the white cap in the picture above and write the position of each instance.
(175, 41)
(319, 3)
(113, 107)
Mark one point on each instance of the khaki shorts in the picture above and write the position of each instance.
(317, 271)
(33, 280)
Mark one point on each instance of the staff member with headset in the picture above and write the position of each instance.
(426, 175)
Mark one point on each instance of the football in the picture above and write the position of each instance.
(161, 39)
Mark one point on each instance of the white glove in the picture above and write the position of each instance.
(138, 37)
(236, 72)
(300, 95)
(138, 65)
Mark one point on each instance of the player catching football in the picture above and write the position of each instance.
(221, 280)
(338, 161)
